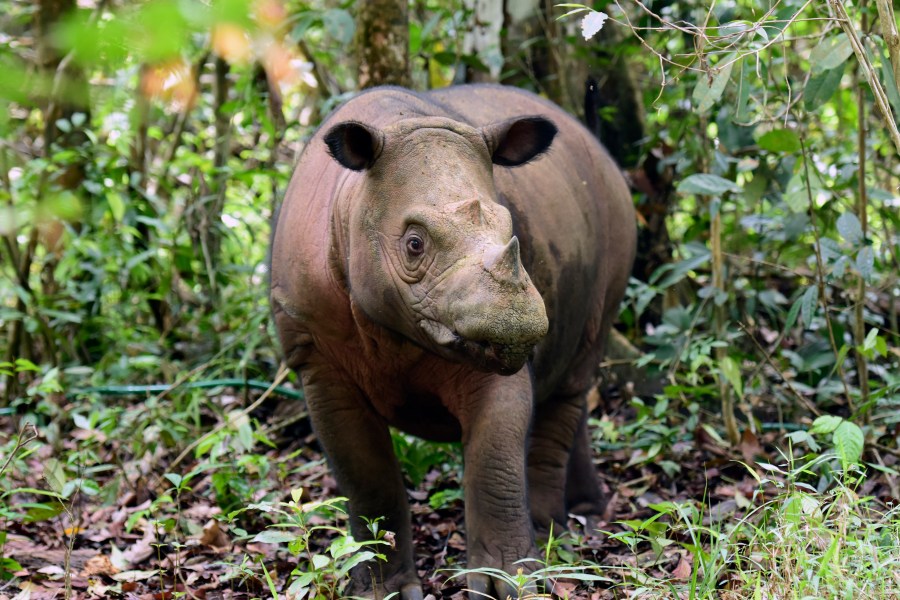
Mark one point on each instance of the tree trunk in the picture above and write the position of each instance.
(488, 19)
(69, 94)
(382, 42)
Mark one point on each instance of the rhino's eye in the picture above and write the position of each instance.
(415, 246)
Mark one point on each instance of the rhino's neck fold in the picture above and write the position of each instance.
(339, 252)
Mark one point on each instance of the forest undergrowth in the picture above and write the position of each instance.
(151, 445)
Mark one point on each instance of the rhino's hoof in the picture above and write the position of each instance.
(411, 591)
(483, 586)
(405, 584)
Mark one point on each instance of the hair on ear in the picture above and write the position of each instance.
(354, 145)
(519, 141)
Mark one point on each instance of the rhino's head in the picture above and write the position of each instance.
(430, 252)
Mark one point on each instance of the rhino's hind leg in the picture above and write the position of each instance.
(553, 437)
(358, 445)
(584, 495)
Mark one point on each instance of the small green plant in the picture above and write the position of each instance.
(318, 575)
(526, 584)
(13, 450)
(651, 433)
(844, 437)
(418, 457)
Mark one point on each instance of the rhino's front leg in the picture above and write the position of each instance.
(495, 418)
(358, 445)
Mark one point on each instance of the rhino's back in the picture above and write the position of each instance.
(573, 214)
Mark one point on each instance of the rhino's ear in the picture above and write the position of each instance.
(354, 145)
(517, 141)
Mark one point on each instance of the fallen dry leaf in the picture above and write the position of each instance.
(215, 537)
(142, 549)
(750, 447)
(683, 569)
(99, 565)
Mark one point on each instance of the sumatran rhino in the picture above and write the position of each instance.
(449, 263)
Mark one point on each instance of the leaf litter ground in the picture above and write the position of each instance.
(120, 541)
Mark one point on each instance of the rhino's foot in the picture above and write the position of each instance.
(498, 577)
(483, 586)
(593, 515)
(367, 582)
(546, 534)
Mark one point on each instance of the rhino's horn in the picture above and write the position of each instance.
(469, 211)
(504, 263)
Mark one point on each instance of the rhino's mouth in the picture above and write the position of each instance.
(505, 359)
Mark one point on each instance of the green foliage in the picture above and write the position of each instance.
(317, 575)
(15, 450)
(799, 542)
(145, 148)
(418, 457)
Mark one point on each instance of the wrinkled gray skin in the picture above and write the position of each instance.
(449, 263)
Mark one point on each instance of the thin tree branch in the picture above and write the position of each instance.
(891, 36)
(881, 100)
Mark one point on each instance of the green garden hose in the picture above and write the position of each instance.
(158, 388)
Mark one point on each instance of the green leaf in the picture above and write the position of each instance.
(274, 536)
(42, 512)
(742, 110)
(780, 140)
(881, 346)
(825, 424)
(116, 205)
(709, 90)
(175, 478)
(848, 441)
(827, 561)
(340, 25)
(23, 364)
(729, 368)
(890, 85)
(356, 559)
(869, 342)
(707, 185)
(831, 53)
(808, 302)
(796, 195)
(320, 561)
(269, 582)
(820, 88)
(7, 567)
(159, 30)
(792, 315)
(850, 229)
(55, 475)
(865, 262)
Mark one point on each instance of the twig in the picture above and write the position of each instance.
(890, 35)
(891, 480)
(859, 324)
(718, 283)
(768, 358)
(322, 83)
(181, 123)
(881, 100)
(283, 372)
(22, 440)
(820, 274)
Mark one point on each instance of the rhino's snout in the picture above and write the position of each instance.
(497, 315)
(502, 358)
